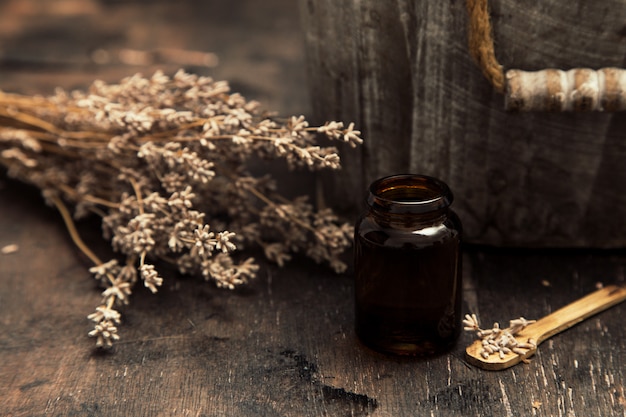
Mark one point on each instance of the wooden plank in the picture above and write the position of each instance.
(404, 74)
(285, 345)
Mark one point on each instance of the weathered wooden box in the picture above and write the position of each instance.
(402, 72)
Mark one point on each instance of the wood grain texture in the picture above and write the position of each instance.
(403, 73)
(285, 345)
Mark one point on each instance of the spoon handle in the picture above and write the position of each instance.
(548, 326)
(574, 313)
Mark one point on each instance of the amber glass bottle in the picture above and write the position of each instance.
(408, 288)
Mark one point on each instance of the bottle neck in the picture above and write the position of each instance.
(414, 198)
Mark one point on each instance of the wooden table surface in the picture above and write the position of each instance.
(284, 345)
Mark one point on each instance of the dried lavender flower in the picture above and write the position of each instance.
(164, 162)
(497, 340)
(105, 333)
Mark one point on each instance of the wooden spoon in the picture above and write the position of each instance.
(548, 326)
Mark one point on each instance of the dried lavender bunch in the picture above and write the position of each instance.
(498, 341)
(164, 162)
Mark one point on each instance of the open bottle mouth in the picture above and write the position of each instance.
(409, 193)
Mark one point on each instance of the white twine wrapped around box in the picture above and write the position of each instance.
(579, 89)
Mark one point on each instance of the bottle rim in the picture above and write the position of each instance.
(425, 194)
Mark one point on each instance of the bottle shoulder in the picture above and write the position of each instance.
(410, 231)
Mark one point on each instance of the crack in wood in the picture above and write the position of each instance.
(337, 399)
